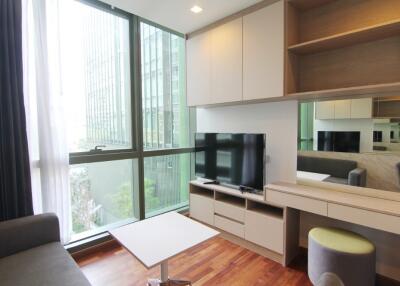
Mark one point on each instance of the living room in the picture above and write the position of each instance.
(246, 142)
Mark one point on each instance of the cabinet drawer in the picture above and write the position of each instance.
(363, 217)
(297, 202)
(202, 208)
(264, 230)
(230, 211)
(230, 226)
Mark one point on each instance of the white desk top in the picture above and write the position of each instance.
(159, 238)
(312, 176)
(379, 205)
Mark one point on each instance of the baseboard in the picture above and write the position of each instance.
(101, 247)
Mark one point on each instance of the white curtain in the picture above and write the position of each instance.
(45, 111)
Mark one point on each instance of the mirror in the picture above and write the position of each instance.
(350, 142)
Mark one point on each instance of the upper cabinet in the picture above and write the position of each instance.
(361, 108)
(325, 110)
(242, 59)
(198, 60)
(226, 62)
(263, 52)
(344, 109)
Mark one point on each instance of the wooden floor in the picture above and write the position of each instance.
(215, 262)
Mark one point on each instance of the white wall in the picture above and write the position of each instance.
(365, 126)
(278, 120)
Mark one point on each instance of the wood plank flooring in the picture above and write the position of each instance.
(215, 262)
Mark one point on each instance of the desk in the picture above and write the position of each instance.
(374, 214)
(378, 213)
(312, 176)
(155, 240)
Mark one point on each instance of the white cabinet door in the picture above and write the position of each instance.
(264, 230)
(198, 58)
(342, 109)
(361, 108)
(202, 208)
(263, 52)
(226, 62)
(324, 110)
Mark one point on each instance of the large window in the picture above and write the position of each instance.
(165, 119)
(166, 182)
(95, 57)
(122, 169)
(103, 194)
(165, 115)
(95, 62)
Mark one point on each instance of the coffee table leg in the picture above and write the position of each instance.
(164, 271)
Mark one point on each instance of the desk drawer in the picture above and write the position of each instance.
(230, 226)
(366, 218)
(297, 202)
(230, 211)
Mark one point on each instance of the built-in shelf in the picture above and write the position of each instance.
(233, 200)
(327, 57)
(349, 91)
(265, 209)
(349, 38)
(205, 192)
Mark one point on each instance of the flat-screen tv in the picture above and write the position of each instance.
(231, 159)
(339, 141)
(377, 136)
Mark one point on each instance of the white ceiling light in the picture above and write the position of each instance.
(196, 9)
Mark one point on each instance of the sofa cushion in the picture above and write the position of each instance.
(334, 167)
(45, 265)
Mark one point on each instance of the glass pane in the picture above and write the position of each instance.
(95, 67)
(165, 114)
(103, 195)
(166, 180)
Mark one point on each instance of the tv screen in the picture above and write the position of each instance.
(232, 159)
(377, 136)
(339, 141)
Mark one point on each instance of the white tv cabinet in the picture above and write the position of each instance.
(247, 219)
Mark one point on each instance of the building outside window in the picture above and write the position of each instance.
(165, 118)
(115, 177)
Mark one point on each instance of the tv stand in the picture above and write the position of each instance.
(245, 218)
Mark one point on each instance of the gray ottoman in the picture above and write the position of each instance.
(347, 255)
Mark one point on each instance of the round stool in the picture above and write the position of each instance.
(349, 256)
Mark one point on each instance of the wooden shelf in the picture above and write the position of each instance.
(265, 209)
(232, 200)
(349, 91)
(198, 190)
(352, 37)
(308, 4)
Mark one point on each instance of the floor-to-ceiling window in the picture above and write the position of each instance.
(128, 125)
(166, 119)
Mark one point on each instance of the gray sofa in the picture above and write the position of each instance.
(31, 254)
(340, 171)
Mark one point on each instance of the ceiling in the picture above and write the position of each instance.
(176, 14)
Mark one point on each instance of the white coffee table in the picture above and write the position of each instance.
(312, 176)
(155, 240)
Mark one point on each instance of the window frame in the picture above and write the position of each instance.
(137, 150)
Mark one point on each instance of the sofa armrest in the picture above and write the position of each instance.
(358, 177)
(24, 233)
